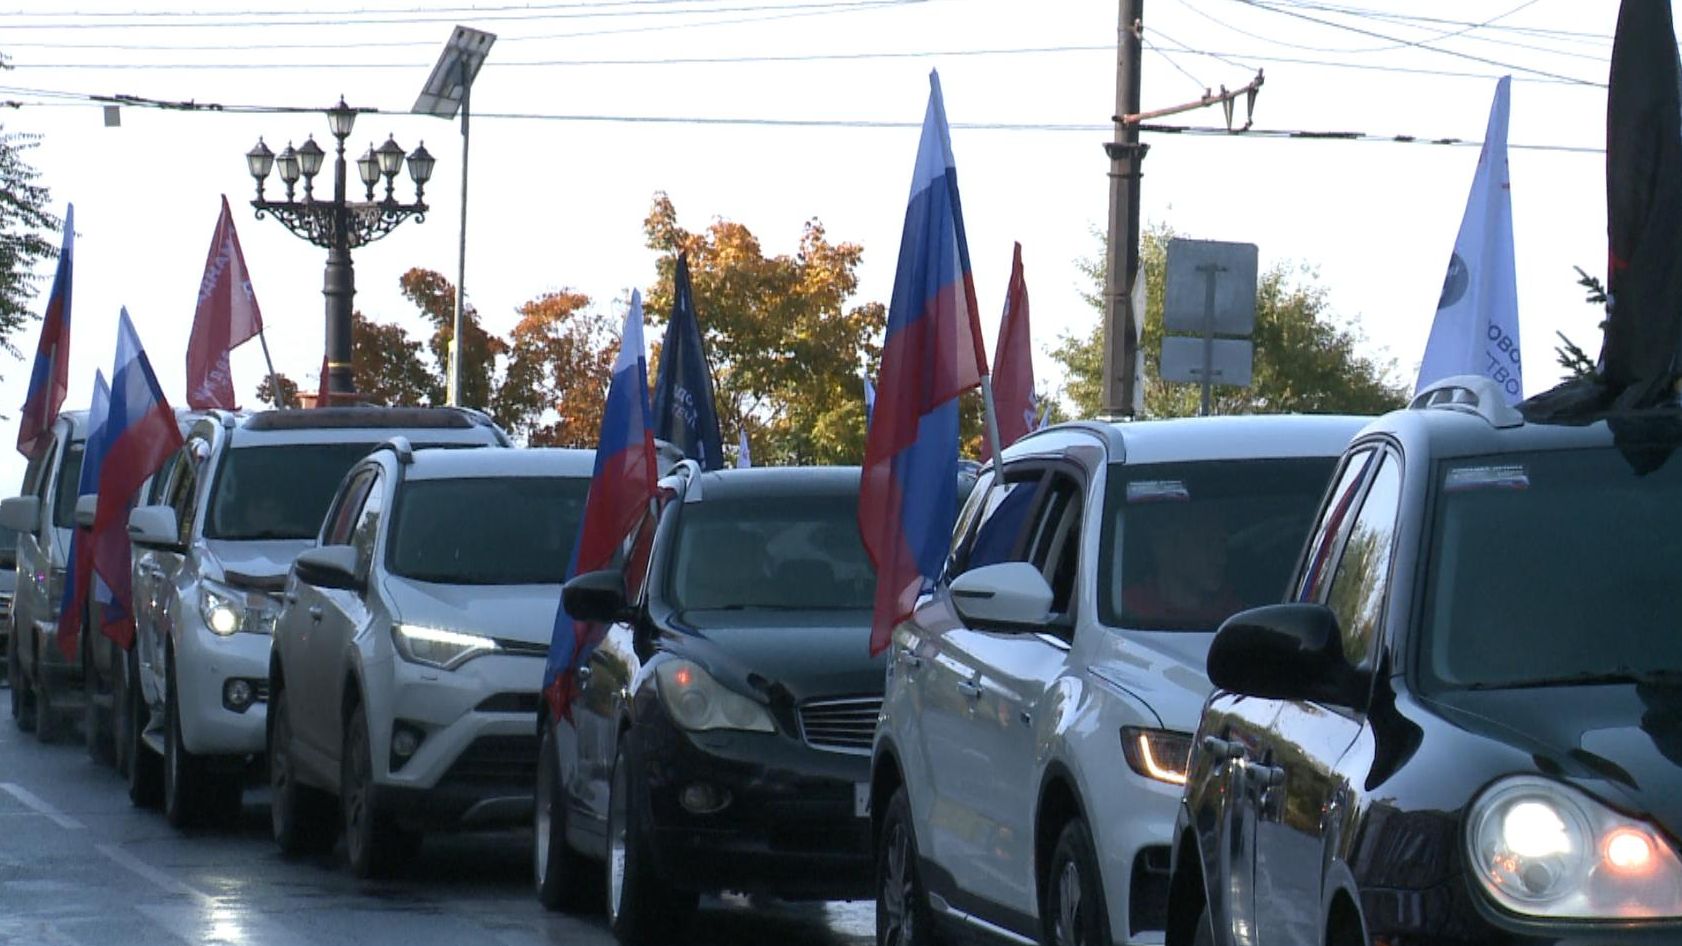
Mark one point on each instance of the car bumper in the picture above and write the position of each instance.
(58, 670)
(791, 822)
(205, 664)
(476, 762)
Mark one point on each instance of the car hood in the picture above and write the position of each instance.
(523, 613)
(1621, 742)
(801, 655)
(1162, 669)
(264, 562)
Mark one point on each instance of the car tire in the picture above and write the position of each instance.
(183, 775)
(641, 908)
(120, 711)
(96, 723)
(903, 917)
(23, 698)
(1072, 911)
(145, 768)
(374, 845)
(566, 880)
(302, 817)
(48, 726)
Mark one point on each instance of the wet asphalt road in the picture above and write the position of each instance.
(79, 864)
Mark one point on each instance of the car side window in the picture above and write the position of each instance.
(1001, 533)
(1358, 586)
(1054, 546)
(183, 492)
(367, 529)
(1329, 529)
(343, 516)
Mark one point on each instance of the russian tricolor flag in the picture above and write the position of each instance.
(140, 434)
(49, 380)
(621, 487)
(76, 580)
(932, 354)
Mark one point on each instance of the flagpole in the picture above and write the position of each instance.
(990, 418)
(274, 379)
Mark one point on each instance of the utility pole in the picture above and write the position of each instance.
(1121, 261)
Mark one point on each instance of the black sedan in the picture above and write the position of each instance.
(1467, 725)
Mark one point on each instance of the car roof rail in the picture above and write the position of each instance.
(400, 446)
(1469, 394)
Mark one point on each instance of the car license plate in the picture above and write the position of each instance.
(861, 799)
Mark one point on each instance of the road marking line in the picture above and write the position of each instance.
(146, 871)
(40, 807)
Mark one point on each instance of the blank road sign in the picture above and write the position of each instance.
(1182, 360)
(1185, 302)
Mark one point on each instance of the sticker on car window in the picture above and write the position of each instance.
(1467, 478)
(1158, 491)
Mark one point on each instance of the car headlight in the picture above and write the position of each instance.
(1542, 848)
(446, 650)
(696, 701)
(228, 610)
(1159, 754)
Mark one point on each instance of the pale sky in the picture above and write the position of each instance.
(824, 98)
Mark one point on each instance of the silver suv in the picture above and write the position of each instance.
(245, 496)
(46, 686)
(410, 649)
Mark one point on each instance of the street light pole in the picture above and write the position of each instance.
(341, 225)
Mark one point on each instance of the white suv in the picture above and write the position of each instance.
(245, 496)
(410, 651)
(1040, 702)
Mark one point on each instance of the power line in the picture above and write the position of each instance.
(1170, 60)
(363, 11)
(1376, 67)
(1576, 36)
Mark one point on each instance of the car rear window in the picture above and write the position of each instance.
(791, 553)
(487, 530)
(279, 492)
(1186, 545)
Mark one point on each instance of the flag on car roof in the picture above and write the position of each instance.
(684, 414)
(1643, 206)
(931, 354)
(227, 316)
(140, 434)
(79, 567)
(621, 487)
(49, 379)
(1476, 328)
(1013, 363)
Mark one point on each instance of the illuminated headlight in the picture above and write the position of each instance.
(227, 610)
(437, 647)
(1542, 848)
(1159, 754)
(696, 701)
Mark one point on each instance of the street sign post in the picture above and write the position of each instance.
(1210, 291)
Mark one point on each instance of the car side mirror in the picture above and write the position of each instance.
(596, 597)
(1286, 652)
(154, 527)
(86, 507)
(1010, 593)
(21, 514)
(329, 566)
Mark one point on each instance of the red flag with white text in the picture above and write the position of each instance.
(227, 316)
(1013, 364)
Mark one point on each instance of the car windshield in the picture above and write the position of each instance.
(1555, 567)
(487, 531)
(278, 492)
(1185, 545)
(69, 485)
(785, 553)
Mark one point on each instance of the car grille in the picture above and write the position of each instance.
(840, 725)
(497, 760)
(509, 703)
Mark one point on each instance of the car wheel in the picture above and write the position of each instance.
(641, 908)
(302, 817)
(902, 907)
(47, 723)
(1072, 898)
(96, 724)
(145, 769)
(183, 771)
(1205, 934)
(120, 711)
(23, 698)
(373, 843)
(565, 878)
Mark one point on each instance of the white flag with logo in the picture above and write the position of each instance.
(1476, 329)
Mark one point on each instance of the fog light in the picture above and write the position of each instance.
(405, 739)
(238, 694)
(703, 799)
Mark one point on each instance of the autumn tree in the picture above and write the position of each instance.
(559, 358)
(784, 346)
(1305, 357)
(435, 296)
(390, 367)
(288, 391)
(25, 228)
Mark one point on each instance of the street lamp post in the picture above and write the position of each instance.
(339, 225)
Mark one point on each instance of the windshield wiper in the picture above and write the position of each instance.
(1655, 677)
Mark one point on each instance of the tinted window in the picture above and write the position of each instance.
(486, 531)
(999, 537)
(1185, 545)
(783, 552)
(1363, 570)
(278, 492)
(1544, 565)
(8, 548)
(69, 482)
(1329, 529)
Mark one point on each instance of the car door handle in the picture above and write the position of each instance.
(970, 689)
(315, 612)
(911, 661)
(1222, 749)
(1265, 776)
(291, 597)
(583, 674)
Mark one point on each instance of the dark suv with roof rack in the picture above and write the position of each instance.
(245, 495)
(1466, 725)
